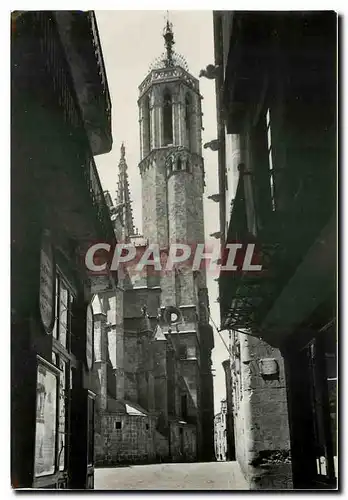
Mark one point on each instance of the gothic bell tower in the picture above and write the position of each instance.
(172, 172)
(171, 163)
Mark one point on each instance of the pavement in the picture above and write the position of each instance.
(177, 476)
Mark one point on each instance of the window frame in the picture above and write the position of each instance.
(53, 370)
(188, 124)
(168, 107)
(61, 356)
(148, 128)
(71, 296)
(270, 157)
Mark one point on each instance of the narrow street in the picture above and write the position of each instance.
(178, 476)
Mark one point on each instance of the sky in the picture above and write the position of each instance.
(130, 41)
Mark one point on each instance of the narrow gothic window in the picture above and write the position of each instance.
(179, 164)
(270, 157)
(147, 126)
(167, 119)
(187, 121)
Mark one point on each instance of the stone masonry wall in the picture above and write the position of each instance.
(261, 417)
(125, 439)
(155, 204)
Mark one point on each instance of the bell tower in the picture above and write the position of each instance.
(171, 149)
(172, 172)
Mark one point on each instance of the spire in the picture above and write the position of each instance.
(168, 36)
(123, 201)
(169, 58)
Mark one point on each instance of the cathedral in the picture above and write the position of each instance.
(152, 339)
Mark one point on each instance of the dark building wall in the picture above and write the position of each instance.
(207, 396)
(52, 170)
(311, 371)
(231, 449)
(289, 205)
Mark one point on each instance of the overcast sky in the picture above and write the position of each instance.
(131, 40)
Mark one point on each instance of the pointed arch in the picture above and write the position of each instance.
(167, 118)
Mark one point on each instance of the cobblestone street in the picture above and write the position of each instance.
(179, 476)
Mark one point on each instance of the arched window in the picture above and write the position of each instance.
(167, 119)
(188, 121)
(179, 164)
(147, 126)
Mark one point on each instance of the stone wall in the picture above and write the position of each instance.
(125, 439)
(260, 413)
(122, 439)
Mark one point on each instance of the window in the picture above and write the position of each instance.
(51, 418)
(46, 421)
(53, 389)
(179, 164)
(182, 352)
(270, 157)
(147, 126)
(118, 425)
(64, 299)
(167, 119)
(188, 121)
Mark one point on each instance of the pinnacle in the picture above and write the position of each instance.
(123, 199)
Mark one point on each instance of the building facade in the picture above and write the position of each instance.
(276, 88)
(57, 206)
(220, 433)
(159, 337)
